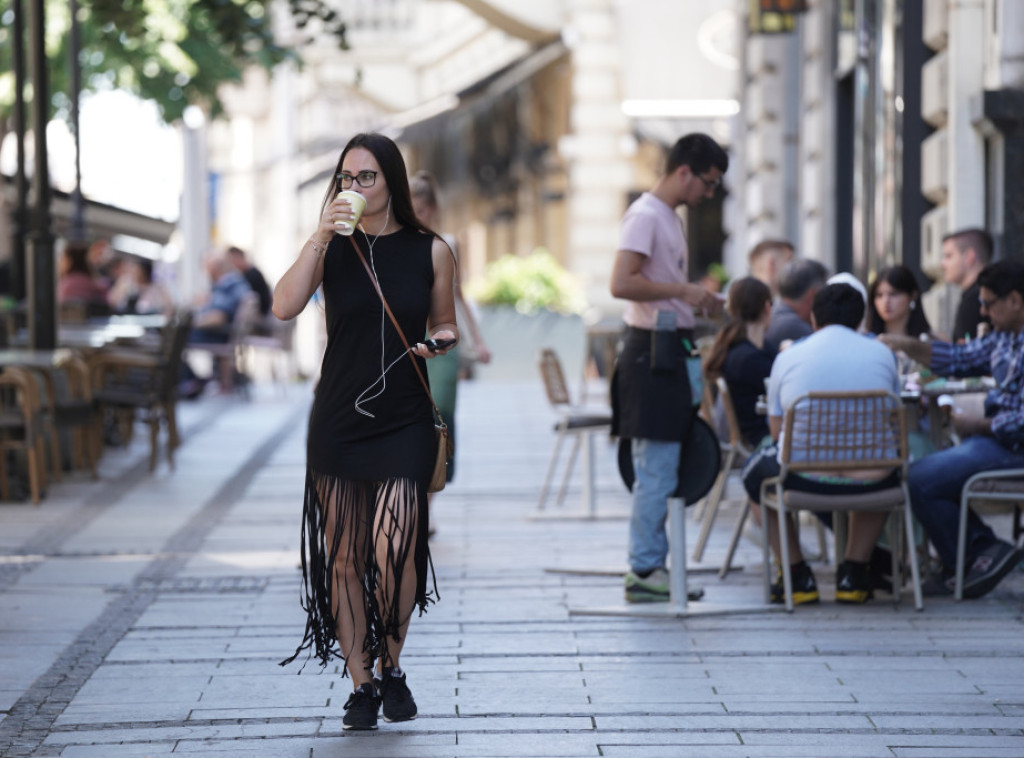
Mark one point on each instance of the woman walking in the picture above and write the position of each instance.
(371, 443)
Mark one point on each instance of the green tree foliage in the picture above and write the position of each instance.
(174, 52)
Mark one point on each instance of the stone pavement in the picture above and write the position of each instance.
(144, 615)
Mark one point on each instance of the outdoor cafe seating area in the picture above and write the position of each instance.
(924, 410)
(58, 406)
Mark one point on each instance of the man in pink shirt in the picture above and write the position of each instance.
(651, 402)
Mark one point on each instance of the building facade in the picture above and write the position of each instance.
(871, 128)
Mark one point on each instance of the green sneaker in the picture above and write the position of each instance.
(650, 589)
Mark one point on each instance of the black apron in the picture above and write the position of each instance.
(648, 404)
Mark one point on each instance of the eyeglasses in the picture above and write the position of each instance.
(987, 304)
(711, 184)
(363, 179)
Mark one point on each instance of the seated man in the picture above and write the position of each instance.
(835, 358)
(211, 321)
(799, 280)
(992, 442)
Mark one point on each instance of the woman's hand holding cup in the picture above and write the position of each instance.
(348, 205)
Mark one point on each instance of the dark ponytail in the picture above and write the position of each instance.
(747, 299)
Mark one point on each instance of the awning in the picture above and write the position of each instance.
(422, 121)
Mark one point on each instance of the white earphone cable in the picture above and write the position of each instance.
(382, 379)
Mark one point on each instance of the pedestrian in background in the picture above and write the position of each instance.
(371, 443)
(444, 370)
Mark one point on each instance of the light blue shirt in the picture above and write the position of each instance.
(833, 359)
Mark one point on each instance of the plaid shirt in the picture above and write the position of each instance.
(1001, 355)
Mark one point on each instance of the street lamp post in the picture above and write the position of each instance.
(20, 182)
(42, 294)
(77, 202)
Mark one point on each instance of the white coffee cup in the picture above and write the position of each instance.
(358, 203)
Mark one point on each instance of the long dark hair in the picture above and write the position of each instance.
(901, 279)
(747, 299)
(392, 165)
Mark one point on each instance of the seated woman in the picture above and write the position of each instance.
(135, 291)
(894, 307)
(740, 356)
(77, 284)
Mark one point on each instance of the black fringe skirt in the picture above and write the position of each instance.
(365, 531)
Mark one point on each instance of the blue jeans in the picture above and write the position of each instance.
(656, 467)
(936, 482)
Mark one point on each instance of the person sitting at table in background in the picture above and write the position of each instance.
(211, 319)
(739, 354)
(77, 283)
(992, 442)
(799, 280)
(767, 259)
(253, 276)
(136, 292)
(834, 358)
(965, 253)
(894, 307)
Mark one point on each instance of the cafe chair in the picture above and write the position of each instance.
(20, 429)
(573, 422)
(277, 341)
(734, 452)
(75, 410)
(1003, 485)
(47, 402)
(133, 381)
(229, 357)
(847, 432)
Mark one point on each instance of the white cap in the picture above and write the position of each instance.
(845, 277)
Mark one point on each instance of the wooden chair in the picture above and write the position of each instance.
(75, 410)
(848, 432)
(734, 451)
(20, 429)
(135, 381)
(741, 452)
(1006, 485)
(573, 421)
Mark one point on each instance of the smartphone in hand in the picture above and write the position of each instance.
(435, 345)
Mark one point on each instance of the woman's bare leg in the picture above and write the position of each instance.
(348, 540)
(395, 533)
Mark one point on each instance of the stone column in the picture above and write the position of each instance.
(600, 174)
(966, 167)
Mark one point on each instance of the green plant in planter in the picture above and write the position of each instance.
(528, 283)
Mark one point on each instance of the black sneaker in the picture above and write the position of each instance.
(805, 588)
(398, 702)
(989, 568)
(361, 708)
(881, 569)
(853, 583)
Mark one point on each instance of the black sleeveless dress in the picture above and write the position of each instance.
(371, 443)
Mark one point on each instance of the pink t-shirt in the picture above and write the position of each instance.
(653, 229)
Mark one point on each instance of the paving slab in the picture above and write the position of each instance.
(146, 614)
